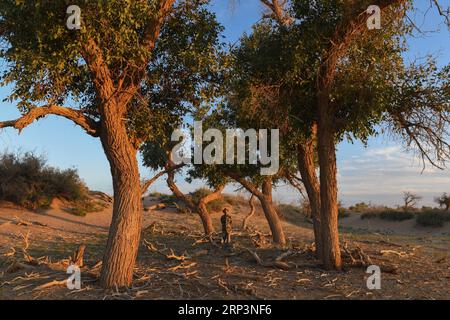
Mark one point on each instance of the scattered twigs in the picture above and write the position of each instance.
(277, 263)
(170, 256)
(22, 222)
(51, 284)
(357, 258)
(398, 253)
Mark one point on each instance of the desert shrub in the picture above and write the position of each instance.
(344, 213)
(27, 180)
(390, 215)
(289, 211)
(433, 218)
(236, 200)
(167, 198)
(360, 207)
(83, 207)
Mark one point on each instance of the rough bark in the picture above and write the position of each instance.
(124, 234)
(331, 254)
(307, 168)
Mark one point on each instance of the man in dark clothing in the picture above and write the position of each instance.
(227, 226)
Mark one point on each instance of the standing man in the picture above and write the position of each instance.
(227, 226)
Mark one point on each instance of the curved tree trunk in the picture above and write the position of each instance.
(205, 217)
(203, 210)
(251, 213)
(124, 235)
(269, 209)
(271, 213)
(307, 168)
(328, 186)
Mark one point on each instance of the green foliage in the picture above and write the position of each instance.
(360, 207)
(46, 62)
(433, 218)
(27, 181)
(390, 215)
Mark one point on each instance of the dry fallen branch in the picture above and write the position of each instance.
(277, 263)
(53, 283)
(183, 266)
(155, 207)
(359, 259)
(77, 257)
(400, 254)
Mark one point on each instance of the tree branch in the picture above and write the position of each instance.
(135, 71)
(101, 74)
(89, 125)
(146, 184)
(212, 196)
(245, 183)
(278, 11)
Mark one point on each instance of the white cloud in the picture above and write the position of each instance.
(381, 175)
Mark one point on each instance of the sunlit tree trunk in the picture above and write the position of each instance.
(307, 168)
(123, 241)
(271, 213)
(328, 185)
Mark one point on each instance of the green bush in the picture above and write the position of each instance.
(26, 180)
(433, 218)
(390, 215)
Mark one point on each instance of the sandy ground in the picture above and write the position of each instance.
(175, 263)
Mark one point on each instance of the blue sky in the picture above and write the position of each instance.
(379, 173)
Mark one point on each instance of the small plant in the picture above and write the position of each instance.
(433, 218)
(390, 215)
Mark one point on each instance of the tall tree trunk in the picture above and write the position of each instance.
(271, 213)
(124, 235)
(307, 168)
(201, 209)
(328, 185)
(208, 226)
